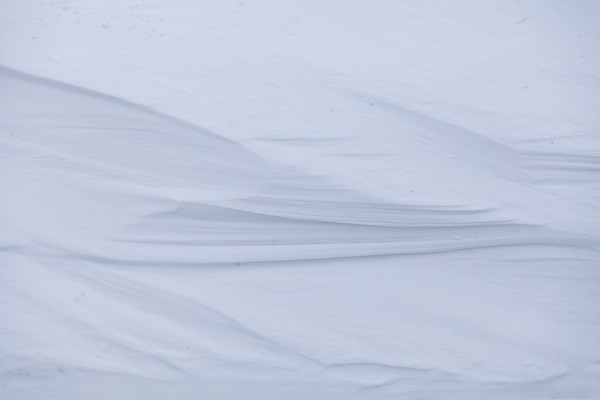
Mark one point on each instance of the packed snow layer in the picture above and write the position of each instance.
(289, 200)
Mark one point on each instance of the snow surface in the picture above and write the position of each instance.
(290, 199)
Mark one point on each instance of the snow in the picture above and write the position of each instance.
(235, 199)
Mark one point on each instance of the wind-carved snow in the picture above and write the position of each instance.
(153, 189)
(328, 222)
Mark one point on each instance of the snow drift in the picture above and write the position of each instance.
(274, 201)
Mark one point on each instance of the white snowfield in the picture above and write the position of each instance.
(299, 200)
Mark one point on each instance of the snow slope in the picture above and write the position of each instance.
(290, 200)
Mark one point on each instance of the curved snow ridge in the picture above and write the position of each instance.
(119, 137)
(78, 165)
(197, 233)
(21, 83)
(450, 141)
(97, 176)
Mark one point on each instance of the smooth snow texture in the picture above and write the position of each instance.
(291, 200)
